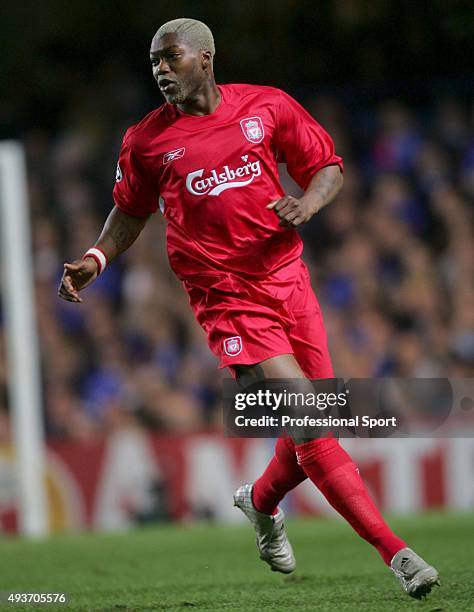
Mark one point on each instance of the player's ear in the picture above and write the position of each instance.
(206, 59)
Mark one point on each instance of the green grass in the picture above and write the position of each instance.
(217, 568)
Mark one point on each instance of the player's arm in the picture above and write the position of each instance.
(322, 189)
(118, 234)
(308, 151)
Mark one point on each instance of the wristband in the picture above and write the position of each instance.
(99, 257)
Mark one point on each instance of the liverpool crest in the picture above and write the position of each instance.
(233, 346)
(252, 127)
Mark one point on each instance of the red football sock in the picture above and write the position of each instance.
(281, 475)
(336, 475)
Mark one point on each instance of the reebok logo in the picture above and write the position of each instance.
(228, 178)
(172, 155)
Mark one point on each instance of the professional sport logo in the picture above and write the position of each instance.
(252, 127)
(233, 346)
(118, 174)
(172, 155)
(228, 178)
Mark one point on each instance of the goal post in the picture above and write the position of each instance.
(24, 386)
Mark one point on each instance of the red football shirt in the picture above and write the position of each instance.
(212, 177)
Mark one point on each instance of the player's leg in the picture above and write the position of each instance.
(259, 501)
(324, 461)
(331, 468)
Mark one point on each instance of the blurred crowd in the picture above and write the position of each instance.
(391, 261)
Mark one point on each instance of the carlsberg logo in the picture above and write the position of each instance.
(215, 183)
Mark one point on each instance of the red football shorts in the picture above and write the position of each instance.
(248, 321)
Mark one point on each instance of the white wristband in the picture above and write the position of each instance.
(99, 257)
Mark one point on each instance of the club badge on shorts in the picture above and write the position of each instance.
(252, 127)
(233, 346)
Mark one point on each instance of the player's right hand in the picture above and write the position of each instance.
(77, 275)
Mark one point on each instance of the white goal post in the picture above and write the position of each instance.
(21, 339)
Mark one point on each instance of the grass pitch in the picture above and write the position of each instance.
(217, 568)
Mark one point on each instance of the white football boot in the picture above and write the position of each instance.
(415, 575)
(272, 541)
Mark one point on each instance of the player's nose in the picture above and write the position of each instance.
(162, 67)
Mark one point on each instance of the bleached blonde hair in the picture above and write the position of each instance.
(195, 32)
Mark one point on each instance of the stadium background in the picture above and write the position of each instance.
(131, 393)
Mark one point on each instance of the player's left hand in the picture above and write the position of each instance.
(291, 211)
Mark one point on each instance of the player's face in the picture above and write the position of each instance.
(177, 68)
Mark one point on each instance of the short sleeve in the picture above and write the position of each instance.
(301, 142)
(133, 192)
